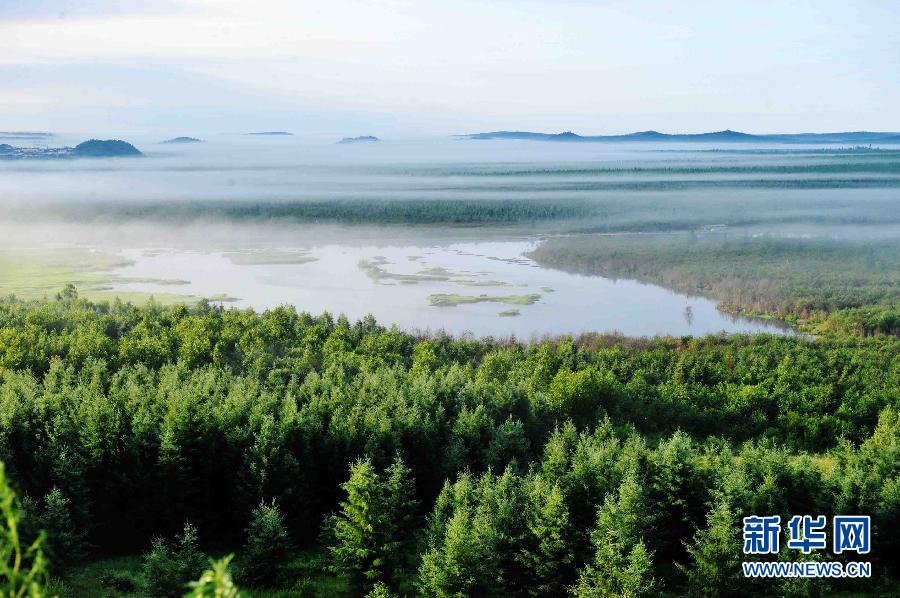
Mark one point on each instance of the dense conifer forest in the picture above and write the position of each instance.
(314, 456)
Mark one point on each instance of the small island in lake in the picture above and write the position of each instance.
(361, 139)
(271, 133)
(183, 140)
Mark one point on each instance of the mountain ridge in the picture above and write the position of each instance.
(724, 135)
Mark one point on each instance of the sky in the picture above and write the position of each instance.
(423, 67)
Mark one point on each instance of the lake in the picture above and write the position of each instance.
(430, 234)
(485, 288)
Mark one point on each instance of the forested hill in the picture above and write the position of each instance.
(333, 456)
(92, 148)
(727, 136)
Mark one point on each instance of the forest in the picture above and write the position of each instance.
(146, 448)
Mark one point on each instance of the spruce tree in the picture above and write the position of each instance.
(401, 507)
(716, 555)
(374, 531)
(547, 557)
(621, 566)
(266, 545)
(169, 567)
(358, 553)
(66, 543)
(465, 562)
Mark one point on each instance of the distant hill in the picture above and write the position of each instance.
(727, 135)
(106, 148)
(93, 148)
(361, 139)
(183, 140)
(271, 133)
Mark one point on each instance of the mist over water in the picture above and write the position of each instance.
(429, 234)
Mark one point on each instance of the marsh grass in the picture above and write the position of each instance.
(452, 300)
(37, 273)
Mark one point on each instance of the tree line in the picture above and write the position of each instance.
(435, 466)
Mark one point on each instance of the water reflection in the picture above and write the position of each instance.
(486, 288)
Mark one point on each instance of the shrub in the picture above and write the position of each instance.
(169, 567)
(215, 582)
(23, 569)
(121, 581)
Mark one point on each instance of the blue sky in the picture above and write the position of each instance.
(420, 67)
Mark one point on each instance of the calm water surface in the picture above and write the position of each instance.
(398, 284)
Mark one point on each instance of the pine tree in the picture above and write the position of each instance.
(637, 579)
(374, 531)
(509, 445)
(548, 555)
(621, 566)
(464, 564)
(358, 553)
(503, 499)
(168, 568)
(716, 555)
(675, 493)
(266, 546)
(66, 543)
(379, 590)
(401, 508)
(68, 473)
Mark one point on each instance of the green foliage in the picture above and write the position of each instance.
(400, 524)
(23, 568)
(791, 277)
(374, 527)
(215, 582)
(120, 581)
(368, 211)
(379, 590)
(622, 566)
(66, 543)
(266, 547)
(497, 535)
(547, 555)
(577, 395)
(168, 567)
(358, 551)
(464, 563)
(526, 458)
(715, 568)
